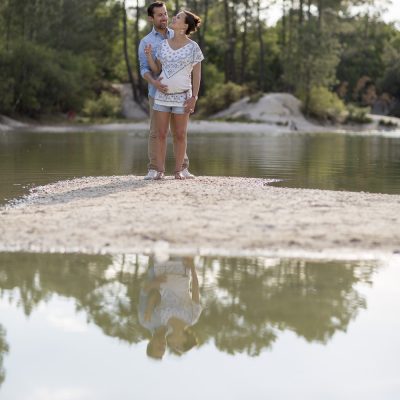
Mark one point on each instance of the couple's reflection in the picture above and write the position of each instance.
(169, 305)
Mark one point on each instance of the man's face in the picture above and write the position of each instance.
(160, 17)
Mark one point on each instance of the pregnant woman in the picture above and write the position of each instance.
(178, 61)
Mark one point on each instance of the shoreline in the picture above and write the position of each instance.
(218, 216)
(140, 128)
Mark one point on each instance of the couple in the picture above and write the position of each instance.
(169, 61)
(169, 305)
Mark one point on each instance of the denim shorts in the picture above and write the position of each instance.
(169, 109)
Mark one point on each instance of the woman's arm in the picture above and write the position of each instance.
(154, 65)
(195, 285)
(190, 104)
(196, 79)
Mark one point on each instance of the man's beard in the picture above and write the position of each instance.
(162, 25)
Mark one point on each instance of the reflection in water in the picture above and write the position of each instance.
(247, 302)
(253, 302)
(169, 305)
(3, 351)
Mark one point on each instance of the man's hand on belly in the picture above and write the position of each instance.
(160, 86)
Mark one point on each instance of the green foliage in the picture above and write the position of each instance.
(41, 80)
(325, 105)
(255, 97)
(311, 58)
(54, 55)
(357, 115)
(106, 106)
(220, 97)
(387, 124)
(390, 81)
(365, 40)
(213, 75)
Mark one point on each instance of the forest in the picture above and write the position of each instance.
(67, 57)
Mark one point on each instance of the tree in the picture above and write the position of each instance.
(312, 52)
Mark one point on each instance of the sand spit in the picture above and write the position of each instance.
(208, 215)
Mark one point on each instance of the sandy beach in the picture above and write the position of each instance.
(207, 215)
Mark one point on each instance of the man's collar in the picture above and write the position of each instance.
(155, 32)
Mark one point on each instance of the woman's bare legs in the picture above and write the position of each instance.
(180, 122)
(162, 126)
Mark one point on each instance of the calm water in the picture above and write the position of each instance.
(329, 161)
(71, 327)
(79, 327)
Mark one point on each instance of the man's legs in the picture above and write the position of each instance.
(162, 121)
(152, 143)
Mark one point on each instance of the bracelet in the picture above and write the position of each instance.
(196, 97)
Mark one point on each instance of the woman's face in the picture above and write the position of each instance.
(178, 22)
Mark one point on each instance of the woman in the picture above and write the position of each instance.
(178, 61)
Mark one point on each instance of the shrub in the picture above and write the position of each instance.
(106, 106)
(255, 97)
(220, 97)
(357, 115)
(387, 124)
(36, 80)
(390, 81)
(325, 105)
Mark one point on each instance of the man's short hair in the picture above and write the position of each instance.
(152, 6)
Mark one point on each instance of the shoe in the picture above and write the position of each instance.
(179, 175)
(159, 176)
(187, 175)
(150, 175)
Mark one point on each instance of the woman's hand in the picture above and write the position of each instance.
(190, 105)
(147, 50)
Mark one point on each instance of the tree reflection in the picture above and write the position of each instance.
(247, 302)
(255, 301)
(3, 351)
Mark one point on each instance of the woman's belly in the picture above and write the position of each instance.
(177, 83)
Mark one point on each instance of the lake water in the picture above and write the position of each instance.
(322, 161)
(268, 328)
(78, 327)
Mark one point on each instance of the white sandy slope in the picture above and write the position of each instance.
(280, 109)
(208, 215)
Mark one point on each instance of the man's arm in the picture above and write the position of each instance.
(144, 65)
(153, 301)
(145, 71)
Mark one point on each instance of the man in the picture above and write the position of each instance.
(158, 16)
